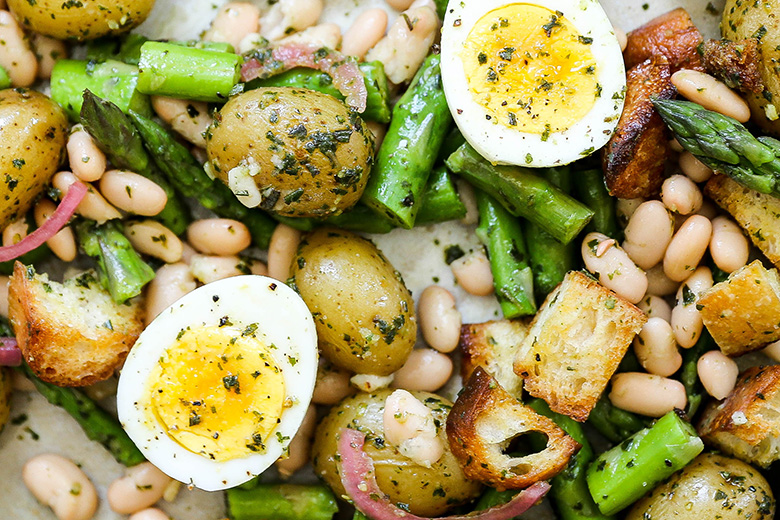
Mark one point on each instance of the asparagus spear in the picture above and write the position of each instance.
(612, 422)
(689, 373)
(723, 144)
(620, 476)
(120, 269)
(98, 424)
(590, 189)
(362, 219)
(440, 201)
(115, 134)
(493, 497)
(523, 193)
(281, 502)
(5, 79)
(126, 48)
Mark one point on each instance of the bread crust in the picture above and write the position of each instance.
(734, 63)
(493, 345)
(672, 35)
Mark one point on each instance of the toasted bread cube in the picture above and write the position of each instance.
(71, 334)
(743, 312)
(757, 213)
(672, 35)
(493, 346)
(575, 344)
(747, 423)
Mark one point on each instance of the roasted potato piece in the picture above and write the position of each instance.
(493, 346)
(671, 35)
(71, 334)
(734, 63)
(81, 20)
(483, 422)
(635, 156)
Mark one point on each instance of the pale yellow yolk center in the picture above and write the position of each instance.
(217, 392)
(530, 69)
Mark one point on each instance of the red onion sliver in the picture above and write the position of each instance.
(357, 475)
(51, 227)
(345, 72)
(10, 355)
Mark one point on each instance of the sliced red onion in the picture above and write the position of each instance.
(10, 355)
(51, 227)
(357, 475)
(345, 72)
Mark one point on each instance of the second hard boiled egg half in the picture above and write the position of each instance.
(534, 84)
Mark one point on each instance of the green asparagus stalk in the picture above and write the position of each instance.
(452, 142)
(5, 79)
(590, 189)
(281, 502)
(501, 234)
(523, 193)
(126, 48)
(723, 144)
(361, 219)
(188, 178)
(98, 424)
(440, 201)
(441, 8)
(209, 46)
(493, 497)
(620, 476)
(419, 125)
(689, 373)
(115, 134)
(120, 269)
(612, 422)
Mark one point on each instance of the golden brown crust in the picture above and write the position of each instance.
(734, 63)
(747, 423)
(493, 346)
(68, 343)
(483, 422)
(671, 35)
(634, 159)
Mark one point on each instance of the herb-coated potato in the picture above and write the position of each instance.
(33, 134)
(427, 491)
(743, 19)
(80, 19)
(363, 311)
(6, 387)
(308, 155)
(712, 486)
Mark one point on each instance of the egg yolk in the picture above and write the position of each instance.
(217, 392)
(530, 69)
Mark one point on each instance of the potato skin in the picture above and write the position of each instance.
(314, 154)
(363, 311)
(80, 20)
(427, 491)
(33, 134)
(712, 486)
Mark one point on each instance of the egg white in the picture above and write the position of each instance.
(504, 145)
(283, 320)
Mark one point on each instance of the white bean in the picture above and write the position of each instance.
(324, 35)
(648, 234)
(773, 351)
(299, 449)
(625, 209)
(63, 244)
(687, 248)
(696, 170)
(658, 283)
(48, 51)
(655, 307)
(86, 160)
(686, 318)
(370, 382)
(426, 369)
(233, 22)
(16, 57)
(142, 486)
(621, 36)
(710, 93)
(680, 194)
(469, 199)
(15, 232)
(473, 273)
(613, 267)
(171, 282)
(365, 32)
(4, 295)
(408, 425)
(94, 206)
(718, 373)
(151, 513)
(728, 246)
(209, 269)
(332, 385)
(219, 236)
(675, 146)
(288, 16)
(257, 267)
(440, 320)
(58, 483)
(656, 348)
(281, 251)
(152, 238)
(400, 5)
(189, 118)
(133, 193)
(647, 394)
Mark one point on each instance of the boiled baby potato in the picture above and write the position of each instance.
(308, 155)
(80, 19)
(33, 134)
(712, 486)
(363, 311)
(6, 387)
(746, 19)
(427, 491)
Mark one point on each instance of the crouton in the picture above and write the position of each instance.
(493, 346)
(757, 213)
(743, 313)
(734, 63)
(71, 334)
(634, 159)
(747, 424)
(483, 422)
(575, 344)
(671, 35)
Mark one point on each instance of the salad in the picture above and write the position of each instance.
(313, 259)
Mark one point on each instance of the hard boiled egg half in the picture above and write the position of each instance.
(537, 83)
(218, 384)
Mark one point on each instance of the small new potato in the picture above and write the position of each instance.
(363, 311)
(712, 486)
(33, 134)
(80, 20)
(295, 152)
(427, 491)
